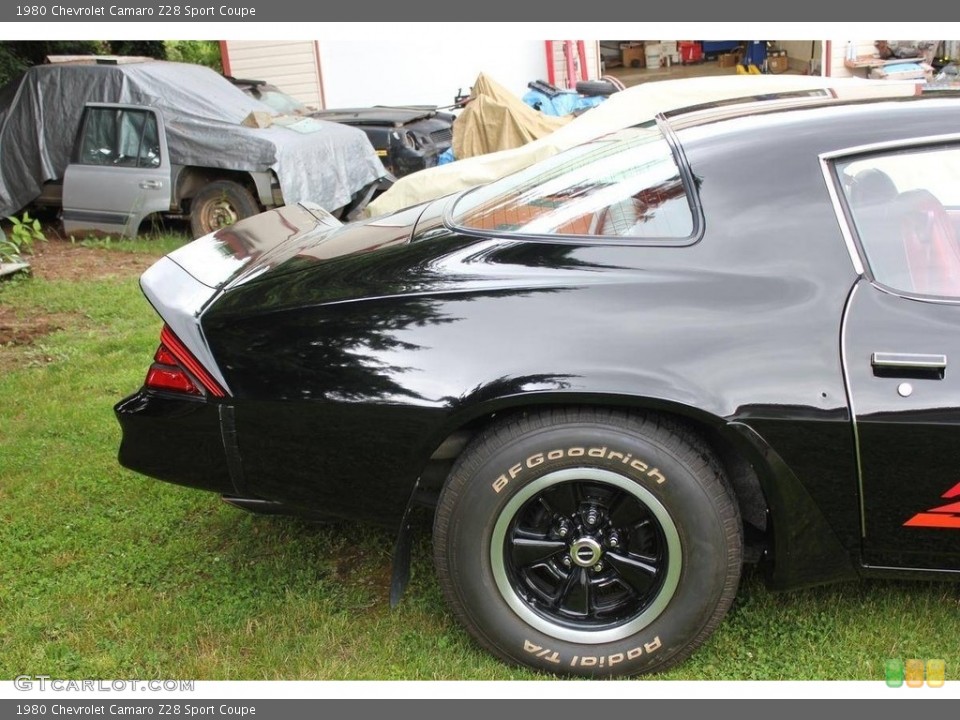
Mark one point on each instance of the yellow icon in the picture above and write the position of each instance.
(936, 672)
(914, 673)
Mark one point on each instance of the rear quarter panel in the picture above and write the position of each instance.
(352, 372)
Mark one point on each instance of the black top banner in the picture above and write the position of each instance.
(241, 11)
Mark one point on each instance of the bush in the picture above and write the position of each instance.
(24, 232)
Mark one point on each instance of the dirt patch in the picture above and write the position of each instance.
(58, 260)
(63, 260)
(23, 331)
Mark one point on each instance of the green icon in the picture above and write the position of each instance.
(893, 672)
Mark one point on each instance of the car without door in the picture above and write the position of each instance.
(114, 141)
(611, 379)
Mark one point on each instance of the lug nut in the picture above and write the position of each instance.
(564, 528)
(613, 540)
(566, 561)
(592, 517)
(598, 567)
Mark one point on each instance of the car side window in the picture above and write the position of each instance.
(905, 207)
(623, 185)
(120, 138)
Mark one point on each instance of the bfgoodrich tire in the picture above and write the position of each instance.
(220, 204)
(588, 542)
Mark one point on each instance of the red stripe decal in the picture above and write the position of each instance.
(933, 521)
(952, 492)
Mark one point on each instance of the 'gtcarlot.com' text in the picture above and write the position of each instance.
(45, 683)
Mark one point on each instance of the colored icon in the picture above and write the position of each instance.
(893, 671)
(936, 672)
(914, 673)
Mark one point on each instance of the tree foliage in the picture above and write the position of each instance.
(199, 52)
(17, 56)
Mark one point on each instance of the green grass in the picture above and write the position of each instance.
(107, 574)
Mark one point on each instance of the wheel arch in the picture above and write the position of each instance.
(191, 179)
(769, 495)
(726, 444)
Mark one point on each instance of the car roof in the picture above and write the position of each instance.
(829, 97)
(820, 125)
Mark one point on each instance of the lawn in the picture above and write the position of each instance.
(108, 574)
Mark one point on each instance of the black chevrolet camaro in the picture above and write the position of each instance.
(718, 337)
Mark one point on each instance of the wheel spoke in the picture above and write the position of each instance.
(639, 572)
(526, 549)
(574, 598)
(563, 499)
(625, 512)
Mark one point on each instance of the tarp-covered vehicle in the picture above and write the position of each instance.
(114, 143)
(407, 138)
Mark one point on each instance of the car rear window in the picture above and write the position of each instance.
(626, 184)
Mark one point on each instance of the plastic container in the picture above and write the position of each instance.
(651, 52)
(690, 51)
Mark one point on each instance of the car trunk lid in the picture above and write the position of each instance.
(182, 285)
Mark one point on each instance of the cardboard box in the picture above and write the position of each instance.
(778, 64)
(632, 55)
(728, 59)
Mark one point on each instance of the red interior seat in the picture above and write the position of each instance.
(930, 243)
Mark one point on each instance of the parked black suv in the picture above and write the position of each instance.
(407, 138)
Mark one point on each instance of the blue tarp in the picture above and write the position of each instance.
(564, 103)
(446, 156)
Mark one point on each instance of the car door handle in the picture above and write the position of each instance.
(151, 184)
(887, 364)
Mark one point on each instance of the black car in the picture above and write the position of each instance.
(614, 377)
(407, 139)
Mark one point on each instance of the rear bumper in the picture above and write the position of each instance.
(173, 439)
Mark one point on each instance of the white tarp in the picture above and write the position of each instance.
(40, 114)
(628, 107)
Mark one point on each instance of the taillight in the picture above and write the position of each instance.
(175, 369)
(170, 378)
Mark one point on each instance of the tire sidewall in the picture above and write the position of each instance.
(506, 471)
(596, 88)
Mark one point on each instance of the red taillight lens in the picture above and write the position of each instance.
(175, 369)
(164, 356)
(172, 379)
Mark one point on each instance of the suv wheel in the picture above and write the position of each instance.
(220, 204)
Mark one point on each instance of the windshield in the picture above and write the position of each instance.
(625, 184)
(282, 103)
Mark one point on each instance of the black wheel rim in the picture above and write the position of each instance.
(586, 554)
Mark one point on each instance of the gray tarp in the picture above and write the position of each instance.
(40, 114)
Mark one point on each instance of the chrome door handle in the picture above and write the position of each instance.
(151, 184)
(888, 364)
